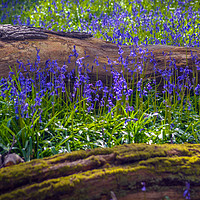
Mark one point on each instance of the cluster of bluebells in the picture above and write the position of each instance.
(52, 81)
(181, 80)
(37, 82)
(133, 24)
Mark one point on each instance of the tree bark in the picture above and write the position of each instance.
(57, 47)
(126, 172)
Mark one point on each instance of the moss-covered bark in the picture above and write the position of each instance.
(164, 169)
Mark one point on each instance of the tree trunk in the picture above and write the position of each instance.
(135, 171)
(53, 46)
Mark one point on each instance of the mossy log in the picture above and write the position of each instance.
(57, 47)
(100, 174)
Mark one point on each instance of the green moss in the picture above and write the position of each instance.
(77, 155)
(68, 184)
(21, 171)
(133, 164)
(185, 165)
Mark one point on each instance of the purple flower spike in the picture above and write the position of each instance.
(143, 186)
(75, 52)
(186, 193)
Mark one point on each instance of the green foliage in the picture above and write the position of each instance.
(65, 125)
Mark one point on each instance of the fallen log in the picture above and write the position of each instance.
(126, 172)
(59, 46)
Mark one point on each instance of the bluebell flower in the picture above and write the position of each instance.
(197, 89)
(75, 52)
(96, 61)
(186, 193)
(129, 108)
(143, 186)
(139, 84)
(90, 108)
(99, 84)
